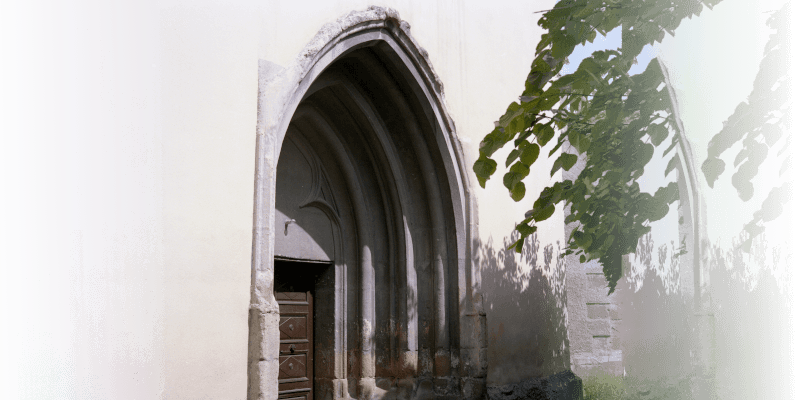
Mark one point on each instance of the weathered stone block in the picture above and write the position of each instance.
(598, 327)
(565, 386)
(594, 311)
(612, 367)
(613, 312)
(446, 386)
(483, 362)
(473, 389)
(481, 334)
(384, 383)
(601, 343)
(326, 388)
(405, 388)
(469, 365)
(425, 362)
(616, 341)
(583, 359)
(561, 386)
(596, 280)
(424, 388)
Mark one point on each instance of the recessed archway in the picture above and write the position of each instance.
(359, 166)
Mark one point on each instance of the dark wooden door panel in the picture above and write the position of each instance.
(296, 370)
(292, 296)
(293, 327)
(293, 366)
(295, 396)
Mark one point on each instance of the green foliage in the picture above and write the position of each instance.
(759, 124)
(603, 386)
(611, 119)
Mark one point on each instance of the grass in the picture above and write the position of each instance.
(601, 386)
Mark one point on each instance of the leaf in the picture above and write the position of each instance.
(657, 133)
(741, 156)
(509, 125)
(549, 195)
(732, 131)
(565, 161)
(512, 156)
(517, 246)
(591, 37)
(520, 141)
(712, 168)
(525, 230)
(771, 133)
(671, 146)
(516, 173)
(563, 45)
(518, 192)
(543, 133)
(556, 148)
(510, 179)
(758, 153)
(492, 142)
(579, 141)
(521, 169)
(514, 110)
(671, 165)
(787, 162)
(741, 179)
(772, 207)
(611, 20)
(484, 168)
(667, 194)
(544, 213)
(697, 7)
(529, 154)
(660, 37)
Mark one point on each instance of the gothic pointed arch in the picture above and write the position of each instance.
(363, 110)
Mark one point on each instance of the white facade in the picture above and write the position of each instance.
(129, 168)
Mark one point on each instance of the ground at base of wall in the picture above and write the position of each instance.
(603, 386)
(561, 386)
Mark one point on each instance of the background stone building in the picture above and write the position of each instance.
(167, 166)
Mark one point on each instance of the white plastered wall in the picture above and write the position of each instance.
(128, 172)
(128, 162)
(127, 238)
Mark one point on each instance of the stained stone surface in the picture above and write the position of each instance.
(561, 386)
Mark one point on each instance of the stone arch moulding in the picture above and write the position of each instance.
(691, 205)
(452, 362)
(695, 210)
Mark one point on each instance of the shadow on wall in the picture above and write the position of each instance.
(752, 310)
(656, 338)
(749, 324)
(525, 300)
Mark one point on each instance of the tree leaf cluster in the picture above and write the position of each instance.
(612, 122)
(760, 124)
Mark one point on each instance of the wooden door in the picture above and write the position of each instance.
(296, 371)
